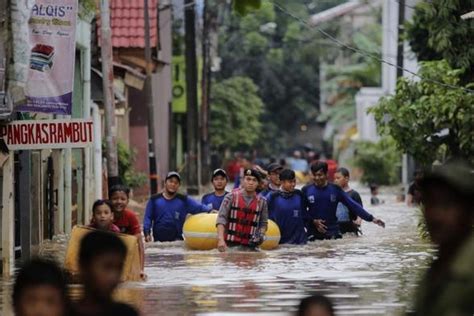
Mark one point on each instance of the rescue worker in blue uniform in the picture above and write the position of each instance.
(287, 207)
(322, 198)
(166, 212)
(219, 182)
(273, 171)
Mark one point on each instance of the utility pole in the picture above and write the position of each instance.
(191, 97)
(205, 93)
(400, 48)
(108, 92)
(400, 57)
(209, 29)
(149, 99)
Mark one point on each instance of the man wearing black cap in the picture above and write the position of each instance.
(166, 212)
(243, 215)
(447, 199)
(219, 182)
(287, 207)
(273, 170)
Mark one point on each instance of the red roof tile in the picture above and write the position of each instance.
(127, 22)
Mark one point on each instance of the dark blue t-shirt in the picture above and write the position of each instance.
(213, 201)
(322, 204)
(266, 193)
(166, 217)
(288, 210)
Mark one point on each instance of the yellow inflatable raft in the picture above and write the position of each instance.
(200, 233)
(132, 266)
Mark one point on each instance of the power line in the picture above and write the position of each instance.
(363, 52)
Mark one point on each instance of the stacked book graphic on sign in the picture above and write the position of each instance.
(42, 57)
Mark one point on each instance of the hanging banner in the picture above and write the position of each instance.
(50, 81)
(47, 134)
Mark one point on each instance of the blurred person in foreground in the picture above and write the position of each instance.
(101, 261)
(40, 289)
(447, 199)
(316, 305)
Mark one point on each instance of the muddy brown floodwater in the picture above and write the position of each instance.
(374, 274)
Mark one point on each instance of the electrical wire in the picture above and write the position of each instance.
(363, 52)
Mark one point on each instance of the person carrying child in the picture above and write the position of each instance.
(126, 220)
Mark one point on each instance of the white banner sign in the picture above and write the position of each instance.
(51, 57)
(47, 134)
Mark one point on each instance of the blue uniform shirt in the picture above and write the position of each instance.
(288, 210)
(213, 201)
(266, 193)
(343, 214)
(322, 204)
(166, 217)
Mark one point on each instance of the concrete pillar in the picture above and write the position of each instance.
(162, 93)
(389, 45)
(86, 101)
(67, 190)
(8, 217)
(97, 153)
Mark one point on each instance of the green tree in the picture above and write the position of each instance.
(245, 6)
(428, 120)
(380, 161)
(235, 113)
(344, 82)
(127, 173)
(438, 32)
(278, 54)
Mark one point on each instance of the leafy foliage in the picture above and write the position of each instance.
(281, 59)
(245, 6)
(235, 113)
(380, 161)
(88, 7)
(427, 120)
(343, 82)
(127, 174)
(438, 32)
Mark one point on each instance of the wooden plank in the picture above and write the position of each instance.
(132, 266)
(8, 221)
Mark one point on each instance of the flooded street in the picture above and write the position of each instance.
(373, 274)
